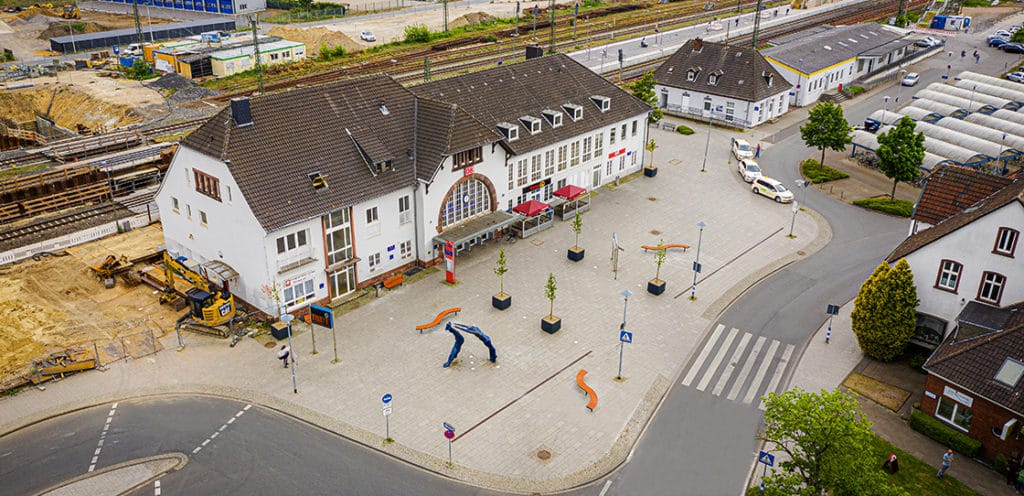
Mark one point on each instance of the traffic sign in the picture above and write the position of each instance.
(626, 336)
(387, 411)
(448, 427)
(832, 309)
(386, 399)
(449, 434)
(766, 458)
(696, 267)
(117, 50)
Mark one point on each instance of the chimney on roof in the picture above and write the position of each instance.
(240, 111)
(697, 44)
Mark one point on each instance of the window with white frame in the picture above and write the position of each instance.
(202, 218)
(338, 231)
(574, 155)
(535, 168)
(623, 132)
(598, 145)
(611, 137)
(404, 211)
(562, 157)
(227, 189)
(730, 109)
(521, 175)
(954, 413)
(292, 242)
(949, 275)
(511, 176)
(298, 293)
(174, 205)
(586, 148)
(549, 163)
(406, 249)
(633, 131)
(188, 211)
(1006, 241)
(373, 261)
(622, 162)
(991, 289)
(468, 199)
(373, 220)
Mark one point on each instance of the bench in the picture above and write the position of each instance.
(665, 247)
(393, 281)
(586, 389)
(437, 320)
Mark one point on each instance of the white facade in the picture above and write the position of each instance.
(808, 87)
(973, 248)
(742, 113)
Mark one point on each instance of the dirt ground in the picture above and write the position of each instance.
(56, 303)
(29, 37)
(392, 26)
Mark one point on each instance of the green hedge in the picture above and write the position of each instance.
(901, 208)
(684, 130)
(853, 90)
(945, 435)
(817, 173)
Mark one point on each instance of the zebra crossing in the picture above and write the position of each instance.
(747, 354)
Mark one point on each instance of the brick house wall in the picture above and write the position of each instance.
(986, 416)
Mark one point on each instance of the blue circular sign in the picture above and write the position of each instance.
(386, 398)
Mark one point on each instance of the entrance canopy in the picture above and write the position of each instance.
(531, 208)
(570, 192)
(476, 230)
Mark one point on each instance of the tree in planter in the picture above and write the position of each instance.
(900, 153)
(824, 437)
(883, 316)
(826, 128)
(657, 286)
(501, 300)
(651, 146)
(549, 293)
(576, 253)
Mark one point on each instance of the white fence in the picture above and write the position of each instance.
(77, 238)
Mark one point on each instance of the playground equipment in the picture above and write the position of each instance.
(454, 328)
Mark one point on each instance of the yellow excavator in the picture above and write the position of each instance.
(71, 12)
(211, 310)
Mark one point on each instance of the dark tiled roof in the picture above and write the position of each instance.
(743, 71)
(952, 188)
(824, 49)
(306, 130)
(973, 363)
(444, 129)
(1010, 193)
(508, 92)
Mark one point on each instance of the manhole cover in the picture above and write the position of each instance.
(270, 344)
(655, 232)
(651, 198)
(544, 454)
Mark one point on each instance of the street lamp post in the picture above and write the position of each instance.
(625, 302)
(970, 106)
(1002, 146)
(885, 107)
(803, 184)
(287, 319)
(696, 262)
(899, 87)
(707, 144)
(792, 221)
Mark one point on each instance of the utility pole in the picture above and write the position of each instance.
(757, 24)
(575, 12)
(138, 23)
(445, 16)
(256, 52)
(426, 69)
(903, 7)
(551, 45)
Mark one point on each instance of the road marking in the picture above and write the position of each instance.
(205, 442)
(222, 427)
(761, 370)
(704, 381)
(692, 374)
(196, 450)
(215, 434)
(604, 490)
(225, 426)
(156, 487)
(231, 420)
(747, 367)
(779, 369)
(103, 436)
(731, 366)
(247, 407)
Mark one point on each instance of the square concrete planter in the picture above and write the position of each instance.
(655, 286)
(551, 326)
(501, 301)
(650, 171)
(576, 253)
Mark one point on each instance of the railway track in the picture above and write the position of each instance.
(41, 226)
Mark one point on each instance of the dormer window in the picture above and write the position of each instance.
(575, 111)
(769, 78)
(509, 131)
(532, 123)
(603, 103)
(318, 180)
(384, 166)
(384, 109)
(553, 117)
(691, 75)
(713, 80)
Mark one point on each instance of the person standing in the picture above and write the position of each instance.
(283, 354)
(947, 460)
(892, 465)
(757, 152)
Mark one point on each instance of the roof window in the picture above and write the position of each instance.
(603, 103)
(575, 111)
(319, 180)
(532, 123)
(769, 78)
(553, 117)
(713, 80)
(692, 73)
(509, 131)
(1010, 372)
(384, 109)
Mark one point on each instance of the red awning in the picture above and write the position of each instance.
(531, 208)
(569, 192)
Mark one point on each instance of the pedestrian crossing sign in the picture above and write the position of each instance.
(766, 458)
(626, 337)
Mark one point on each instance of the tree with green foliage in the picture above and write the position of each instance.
(417, 33)
(499, 270)
(1018, 36)
(826, 128)
(651, 146)
(549, 293)
(824, 438)
(900, 153)
(577, 227)
(139, 70)
(659, 258)
(883, 317)
(643, 90)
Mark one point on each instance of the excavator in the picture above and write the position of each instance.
(211, 310)
(71, 12)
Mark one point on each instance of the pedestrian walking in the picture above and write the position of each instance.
(947, 460)
(757, 151)
(283, 354)
(787, 10)
(892, 465)
(963, 53)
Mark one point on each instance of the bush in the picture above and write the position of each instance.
(1000, 463)
(417, 33)
(684, 130)
(817, 173)
(331, 53)
(853, 90)
(945, 435)
(917, 360)
(900, 208)
(139, 70)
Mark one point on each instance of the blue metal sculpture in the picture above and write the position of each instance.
(454, 328)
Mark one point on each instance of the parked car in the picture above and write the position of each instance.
(929, 41)
(1013, 29)
(910, 79)
(749, 170)
(1002, 33)
(1016, 76)
(997, 42)
(1012, 47)
(772, 189)
(367, 36)
(741, 149)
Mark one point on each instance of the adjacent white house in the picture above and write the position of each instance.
(974, 255)
(725, 82)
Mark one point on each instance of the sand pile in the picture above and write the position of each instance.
(26, 329)
(316, 37)
(472, 18)
(72, 107)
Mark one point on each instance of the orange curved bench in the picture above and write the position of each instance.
(437, 320)
(665, 247)
(586, 389)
